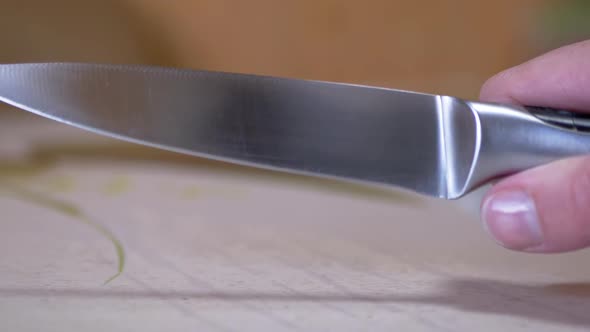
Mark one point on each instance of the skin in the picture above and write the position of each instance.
(558, 194)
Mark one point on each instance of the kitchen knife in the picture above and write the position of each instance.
(433, 145)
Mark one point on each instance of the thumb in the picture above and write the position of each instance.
(546, 209)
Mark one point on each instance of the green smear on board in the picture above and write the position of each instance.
(117, 186)
(191, 192)
(61, 183)
(70, 210)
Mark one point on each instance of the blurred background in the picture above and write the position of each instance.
(435, 46)
(439, 46)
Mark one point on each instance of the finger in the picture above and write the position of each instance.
(546, 209)
(560, 79)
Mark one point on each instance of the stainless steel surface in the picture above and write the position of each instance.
(513, 140)
(435, 145)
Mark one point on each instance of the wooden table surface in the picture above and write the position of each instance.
(210, 247)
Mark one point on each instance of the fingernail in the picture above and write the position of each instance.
(512, 220)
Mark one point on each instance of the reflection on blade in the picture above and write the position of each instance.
(325, 129)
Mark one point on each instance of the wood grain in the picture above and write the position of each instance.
(256, 253)
(218, 248)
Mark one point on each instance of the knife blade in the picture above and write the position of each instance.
(434, 145)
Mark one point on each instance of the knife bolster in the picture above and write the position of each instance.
(460, 134)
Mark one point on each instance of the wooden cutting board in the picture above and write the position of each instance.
(211, 247)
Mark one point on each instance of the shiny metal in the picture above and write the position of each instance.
(512, 140)
(434, 145)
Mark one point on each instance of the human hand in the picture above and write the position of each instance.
(545, 209)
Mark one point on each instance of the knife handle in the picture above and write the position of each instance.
(562, 118)
(512, 138)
